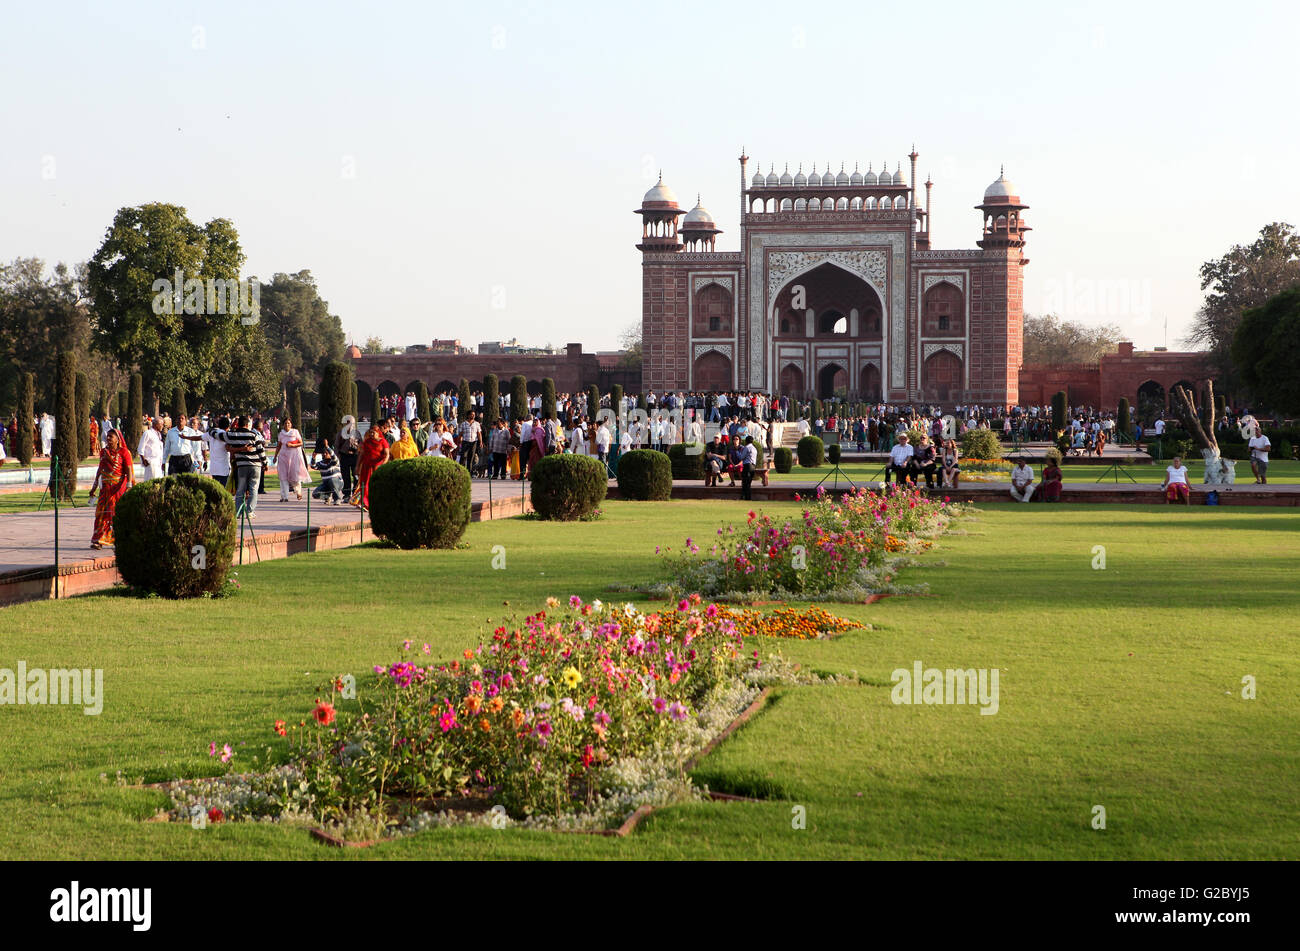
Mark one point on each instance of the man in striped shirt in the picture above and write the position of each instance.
(248, 451)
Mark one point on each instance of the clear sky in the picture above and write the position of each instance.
(470, 170)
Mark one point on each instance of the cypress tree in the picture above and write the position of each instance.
(519, 398)
(491, 401)
(1058, 412)
(102, 405)
(376, 414)
(135, 412)
(82, 397)
(295, 413)
(355, 399)
(462, 400)
(548, 398)
(593, 401)
(122, 404)
(65, 424)
(616, 397)
(422, 401)
(335, 395)
(26, 447)
(1125, 420)
(178, 405)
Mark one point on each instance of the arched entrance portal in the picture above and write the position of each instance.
(712, 372)
(832, 380)
(941, 376)
(869, 383)
(791, 380)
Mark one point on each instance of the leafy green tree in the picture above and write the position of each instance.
(243, 378)
(1266, 352)
(301, 332)
(141, 318)
(519, 398)
(1247, 276)
(374, 345)
(630, 340)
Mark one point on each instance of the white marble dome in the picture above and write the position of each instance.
(660, 192)
(856, 177)
(842, 178)
(698, 215)
(786, 177)
(1002, 188)
(800, 178)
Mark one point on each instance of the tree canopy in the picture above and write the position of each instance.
(1247, 276)
(301, 332)
(1049, 339)
(145, 249)
(1266, 351)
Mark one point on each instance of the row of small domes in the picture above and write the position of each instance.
(799, 179)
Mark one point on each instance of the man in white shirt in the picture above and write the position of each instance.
(1022, 481)
(803, 427)
(603, 441)
(176, 447)
(1160, 427)
(1259, 449)
(218, 452)
(1175, 485)
(900, 461)
(150, 450)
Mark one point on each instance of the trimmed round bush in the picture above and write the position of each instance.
(420, 503)
(175, 536)
(645, 475)
(811, 452)
(833, 454)
(567, 486)
(687, 460)
(783, 459)
(981, 444)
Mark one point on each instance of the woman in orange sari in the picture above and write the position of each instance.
(374, 453)
(115, 475)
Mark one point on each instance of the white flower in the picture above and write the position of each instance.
(597, 605)
(630, 608)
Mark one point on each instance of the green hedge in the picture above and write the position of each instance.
(811, 452)
(159, 527)
(645, 475)
(687, 465)
(420, 503)
(981, 444)
(567, 486)
(783, 459)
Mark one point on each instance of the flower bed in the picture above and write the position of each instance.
(572, 719)
(985, 470)
(838, 549)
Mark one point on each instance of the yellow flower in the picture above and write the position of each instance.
(571, 677)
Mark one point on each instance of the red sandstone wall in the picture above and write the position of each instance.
(665, 331)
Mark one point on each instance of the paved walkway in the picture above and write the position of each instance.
(27, 538)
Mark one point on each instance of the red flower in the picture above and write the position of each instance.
(279, 727)
(216, 815)
(324, 713)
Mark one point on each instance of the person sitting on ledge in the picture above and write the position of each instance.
(1175, 485)
(900, 461)
(715, 461)
(1052, 479)
(923, 461)
(951, 471)
(1022, 481)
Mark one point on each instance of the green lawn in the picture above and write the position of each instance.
(1119, 687)
(1282, 473)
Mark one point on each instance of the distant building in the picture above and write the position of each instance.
(1128, 373)
(512, 346)
(835, 288)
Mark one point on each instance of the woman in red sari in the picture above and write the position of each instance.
(115, 475)
(374, 453)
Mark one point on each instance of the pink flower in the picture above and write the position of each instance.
(574, 601)
(683, 605)
(212, 748)
(659, 704)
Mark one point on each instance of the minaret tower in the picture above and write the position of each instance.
(1004, 225)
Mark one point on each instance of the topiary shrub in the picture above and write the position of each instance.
(981, 444)
(567, 487)
(175, 536)
(420, 503)
(811, 452)
(687, 460)
(833, 453)
(783, 459)
(645, 476)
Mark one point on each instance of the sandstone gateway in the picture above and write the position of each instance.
(836, 289)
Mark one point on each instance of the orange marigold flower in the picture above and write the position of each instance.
(473, 703)
(495, 705)
(517, 716)
(485, 725)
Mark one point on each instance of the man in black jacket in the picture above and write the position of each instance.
(923, 460)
